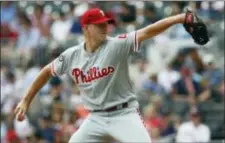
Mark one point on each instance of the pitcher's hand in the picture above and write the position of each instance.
(21, 110)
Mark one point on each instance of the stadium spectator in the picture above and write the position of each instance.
(71, 14)
(167, 127)
(151, 117)
(4, 70)
(186, 86)
(179, 59)
(196, 6)
(41, 21)
(186, 92)
(167, 78)
(7, 34)
(8, 12)
(28, 39)
(8, 96)
(193, 130)
(75, 20)
(46, 128)
(57, 91)
(212, 74)
(176, 120)
(212, 80)
(8, 16)
(128, 13)
(150, 13)
(61, 28)
(29, 36)
(177, 7)
(152, 86)
(139, 69)
(194, 61)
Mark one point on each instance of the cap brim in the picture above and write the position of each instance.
(105, 19)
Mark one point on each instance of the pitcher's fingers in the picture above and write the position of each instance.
(19, 114)
(19, 111)
(16, 110)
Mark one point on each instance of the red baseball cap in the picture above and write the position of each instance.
(94, 16)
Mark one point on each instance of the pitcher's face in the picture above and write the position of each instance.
(98, 31)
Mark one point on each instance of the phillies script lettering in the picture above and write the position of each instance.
(92, 74)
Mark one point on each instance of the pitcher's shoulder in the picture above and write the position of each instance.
(118, 37)
(75, 48)
(115, 40)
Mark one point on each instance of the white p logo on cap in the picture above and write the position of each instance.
(102, 13)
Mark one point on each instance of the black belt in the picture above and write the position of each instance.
(114, 108)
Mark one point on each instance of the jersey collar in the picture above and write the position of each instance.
(87, 54)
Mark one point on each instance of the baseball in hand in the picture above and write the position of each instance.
(20, 117)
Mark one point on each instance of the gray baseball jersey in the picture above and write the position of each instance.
(102, 76)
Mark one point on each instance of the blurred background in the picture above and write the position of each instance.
(170, 76)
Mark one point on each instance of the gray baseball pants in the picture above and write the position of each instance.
(125, 125)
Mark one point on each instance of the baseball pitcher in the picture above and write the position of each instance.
(99, 66)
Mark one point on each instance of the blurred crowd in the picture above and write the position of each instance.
(179, 85)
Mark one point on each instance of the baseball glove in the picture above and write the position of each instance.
(196, 28)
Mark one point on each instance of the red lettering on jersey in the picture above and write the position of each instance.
(94, 73)
(123, 36)
(76, 73)
(83, 77)
(104, 71)
(111, 69)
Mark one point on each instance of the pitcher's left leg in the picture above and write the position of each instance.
(129, 127)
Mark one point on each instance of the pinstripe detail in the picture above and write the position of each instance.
(136, 46)
(138, 111)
